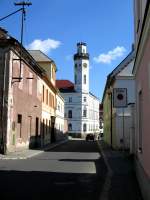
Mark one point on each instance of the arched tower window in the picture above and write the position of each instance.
(69, 113)
(84, 99)
(76, 66)
(84, 79)
(75, 79)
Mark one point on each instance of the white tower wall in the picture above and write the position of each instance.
(81, 68)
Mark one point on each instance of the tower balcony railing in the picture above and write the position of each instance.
(81, 55)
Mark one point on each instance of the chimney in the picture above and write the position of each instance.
(3, 33)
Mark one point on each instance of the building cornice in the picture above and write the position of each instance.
(145, 32)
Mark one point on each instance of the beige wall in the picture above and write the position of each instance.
(143, 108)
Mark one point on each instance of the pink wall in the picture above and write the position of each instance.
(26, 104)
(143, 83)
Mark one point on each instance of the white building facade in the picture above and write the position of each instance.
(59, 121)
(81, 106)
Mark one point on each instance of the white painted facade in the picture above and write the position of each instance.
(59, 121)
(123, 116)
(81, 107)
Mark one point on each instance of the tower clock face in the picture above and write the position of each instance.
(84, 65)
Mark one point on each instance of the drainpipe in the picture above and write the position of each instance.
(111, 119)
(110, 97)
(3, 141)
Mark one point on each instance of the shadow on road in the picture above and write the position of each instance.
(56, 185)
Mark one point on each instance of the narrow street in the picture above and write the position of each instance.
(73, 171)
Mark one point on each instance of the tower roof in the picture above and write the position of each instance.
(81, 43)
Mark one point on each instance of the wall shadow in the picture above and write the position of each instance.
(47, 136)
(55, 185)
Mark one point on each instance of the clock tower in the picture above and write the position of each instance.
(81, 68)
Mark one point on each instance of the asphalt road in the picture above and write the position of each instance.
(73, 171)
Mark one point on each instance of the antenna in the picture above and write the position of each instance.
(23, 4)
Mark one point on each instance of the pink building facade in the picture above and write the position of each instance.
(27, 97)
(142, 77)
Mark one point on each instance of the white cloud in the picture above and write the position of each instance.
(44, 45)
(111, 55)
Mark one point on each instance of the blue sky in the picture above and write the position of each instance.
(55, 26)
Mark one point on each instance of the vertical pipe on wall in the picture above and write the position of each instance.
(111, 120)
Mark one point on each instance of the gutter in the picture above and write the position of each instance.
(141, 34)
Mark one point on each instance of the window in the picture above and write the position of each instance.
(70, 99)
(75, 79)
(84, 79)
(43, 127)
(49, 99)
(76, 66)
(30, 79)
(19, 119)
(43, 93)
(52, 101)
(70, 114)
(84, 127)
(84, 113)
(39, 89)
(47, 96)
(101, 125)
(84, 99)
(70, 127)
(21, 81)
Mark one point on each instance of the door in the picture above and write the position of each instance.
(36, 131)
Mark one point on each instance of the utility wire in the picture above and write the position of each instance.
(11, 14)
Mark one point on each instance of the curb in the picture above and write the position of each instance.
(107, 183)
(37, 152)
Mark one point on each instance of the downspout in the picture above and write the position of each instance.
(109, 92)
(111, 120)
(3, 141)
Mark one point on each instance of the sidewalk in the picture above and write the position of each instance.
(28, 153)
(121, 182)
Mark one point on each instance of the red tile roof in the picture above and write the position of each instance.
(64, 84)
